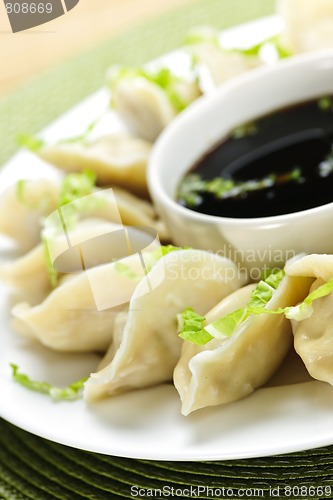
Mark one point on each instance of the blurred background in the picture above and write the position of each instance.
(48, 69)
(25, 54)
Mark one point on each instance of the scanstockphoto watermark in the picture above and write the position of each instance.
(23, 15)
(196, 492)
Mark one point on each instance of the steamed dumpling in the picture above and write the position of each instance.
(315, 266)
(39, 198)
(223, 65)
(212, 60)
(79, 315)
(118, 330)
(147, 102)
(133, 212)
(150, 346)
(313, 336)
(225, 370)
(115, 159)
(30, 273)
(308, 24)
(143, 106)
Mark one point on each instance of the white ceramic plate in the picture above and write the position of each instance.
(148, 423)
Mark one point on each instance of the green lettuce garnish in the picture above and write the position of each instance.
(210, 35)
(30, 142)
(191, 326)
(20, 186)
(34, 144)
(305, 309)
(226, 326)
(84, 137)
(51, 271)
(259, 299)
(152, 258)
(193, 186)
(325, 103)
(69, 393)
(281, 51)
(245, 130)
(76, 186)
(162, 77)
(202, 34)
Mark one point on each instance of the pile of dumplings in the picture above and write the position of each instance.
(129, 313)
(126, 307)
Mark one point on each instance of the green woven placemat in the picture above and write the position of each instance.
(33, 468)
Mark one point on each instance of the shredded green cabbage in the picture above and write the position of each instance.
(34, 144)
(210, 35)
(227, 325)
(193, 186)
(192, 325)
(305, 309)
(69, 393)
(202, 34)
(76, 186)
(30, 142)
(20, 186)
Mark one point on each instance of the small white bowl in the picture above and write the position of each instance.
(257, 242)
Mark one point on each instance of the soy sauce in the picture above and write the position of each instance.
(294, 139)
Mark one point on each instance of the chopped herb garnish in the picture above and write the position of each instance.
(202, 34)
(51, 271)
(326, 103)
(245, 130)
(34, 143)
(69, 393)
(163, 77)
(82, 138)
(151, 258)
(20, 185)
(30, 142)
(76, 186)
(192, 325)
(193, 187)
(281, 51)
(193, 328)
(212, 36)
(259, 299)
(305, 309)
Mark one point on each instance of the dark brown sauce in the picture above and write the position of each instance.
(298, 137)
